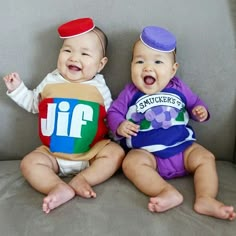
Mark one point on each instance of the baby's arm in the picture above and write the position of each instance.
(116, 116)
(19, 93)
(200, 113)
(127, 129)
(196, 107)
(12, 81)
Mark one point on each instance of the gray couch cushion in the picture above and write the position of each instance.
(119, 209)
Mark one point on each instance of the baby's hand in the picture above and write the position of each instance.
(12, 81)
(200, 113)
(127, 129)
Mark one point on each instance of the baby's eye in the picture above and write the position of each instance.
(158, 62)
(67, 50)
(139, 62)
(85, 54)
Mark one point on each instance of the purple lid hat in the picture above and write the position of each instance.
(158, 39)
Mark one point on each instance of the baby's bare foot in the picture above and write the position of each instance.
(167, 199)
(212, 207)
(57, 196)
(82, 187)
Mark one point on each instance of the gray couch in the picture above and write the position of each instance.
(29, 44)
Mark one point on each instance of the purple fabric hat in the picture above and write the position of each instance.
(158, 38)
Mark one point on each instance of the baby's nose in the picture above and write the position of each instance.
(74, 58)
(148, 68)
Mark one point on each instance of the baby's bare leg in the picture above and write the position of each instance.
(105, 164)
(40, 171)
(82, 187)
(140, 168)
(201, 162)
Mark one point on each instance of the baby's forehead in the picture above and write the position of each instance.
(85, 39)
(140, 48)
(89, 42)
(142, 51)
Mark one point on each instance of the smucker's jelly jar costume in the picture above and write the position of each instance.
(163, 117)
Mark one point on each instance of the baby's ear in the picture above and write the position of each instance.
(103, 62)
(175, 68)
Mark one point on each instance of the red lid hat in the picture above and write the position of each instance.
(75, 27)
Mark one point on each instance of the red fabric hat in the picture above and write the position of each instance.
(76, 27)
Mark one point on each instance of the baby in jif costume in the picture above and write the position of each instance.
(72, 102)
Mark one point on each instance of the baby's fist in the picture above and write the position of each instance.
(12, 81)
(200, 113)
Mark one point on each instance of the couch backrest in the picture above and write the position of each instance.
(205, 31)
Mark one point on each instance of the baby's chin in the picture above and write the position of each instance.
(76, 80)
(149, 90)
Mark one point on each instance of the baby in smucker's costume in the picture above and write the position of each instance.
(150, 117)
(72, 102)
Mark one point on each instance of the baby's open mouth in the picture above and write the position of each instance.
(74, 68)
(149, 80)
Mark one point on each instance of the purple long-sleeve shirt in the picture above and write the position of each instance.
(118, 110)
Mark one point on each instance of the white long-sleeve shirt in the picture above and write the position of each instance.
(29, 99)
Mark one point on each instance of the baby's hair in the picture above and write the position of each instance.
(102, 38)
(175, 52)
